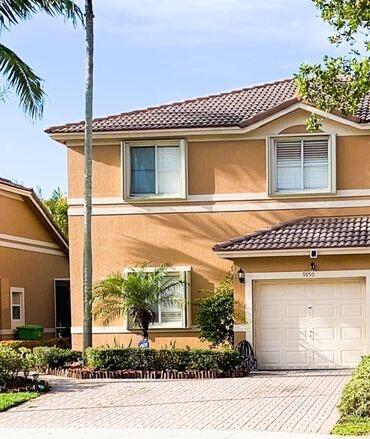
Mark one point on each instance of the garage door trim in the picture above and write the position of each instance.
(316, 275)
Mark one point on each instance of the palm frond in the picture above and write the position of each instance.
(137, 293)
(24, 81)
(14, 11)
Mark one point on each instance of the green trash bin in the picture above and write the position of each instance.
(30, 332)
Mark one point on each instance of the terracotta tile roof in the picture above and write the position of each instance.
(309, 232)
(14, 185)
(232, 109)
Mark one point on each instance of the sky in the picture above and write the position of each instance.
(148, 52)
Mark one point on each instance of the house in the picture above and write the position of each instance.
(34, 267)
(235, 180)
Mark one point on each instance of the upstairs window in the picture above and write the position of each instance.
(155, 169)
(301, 165)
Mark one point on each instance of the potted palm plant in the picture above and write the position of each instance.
(135, 293)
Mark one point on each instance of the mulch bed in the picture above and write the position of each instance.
(23, 384)
(83, 374)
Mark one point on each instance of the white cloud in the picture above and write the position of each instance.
(187, 22)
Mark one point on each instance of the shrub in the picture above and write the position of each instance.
(14, 361)
(355, 398)
(216, 314)
(162, 359)
(44, 357)
(30, 344)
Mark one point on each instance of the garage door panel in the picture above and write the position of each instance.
(323, 334)
(323, 291)
(323, 310)
(352, 310)
(324, 358)
(295, 311)
(350, 357)
(266, 312)
(296, 334)
(311, 324)
(352, 333)
(350, 290)
(269, 335)
(297, 358)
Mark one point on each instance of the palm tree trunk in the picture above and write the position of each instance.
(87, 254)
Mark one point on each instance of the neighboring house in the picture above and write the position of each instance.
(172, 181)
(34, 268)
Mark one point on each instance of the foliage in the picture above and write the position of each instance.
(135, 293)
(355, 400)
(57, 205)
(14, 361)
(8, 400)
(216, 314)
(352, 426)
(338, 84)
(45, 357)
(16, 73)
(30, 344)
(162, 359)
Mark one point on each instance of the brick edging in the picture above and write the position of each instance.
(141, 374)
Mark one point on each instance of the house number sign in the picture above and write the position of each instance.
(308, 274)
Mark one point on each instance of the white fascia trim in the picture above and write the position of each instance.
(293, 252)
(13, 331)
(237, 196)
(209, 208)
(28, 241)
(209, 131)
(30, 248)
(122, 330)
(172, 269)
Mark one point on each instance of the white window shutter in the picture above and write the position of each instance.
(172, 315)
(316, 164)
(169, 170)
(288, 165)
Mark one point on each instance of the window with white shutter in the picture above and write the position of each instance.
(301, 165)
(174, 315)
(155, 169)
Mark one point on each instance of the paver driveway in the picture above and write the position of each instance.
(292, 401)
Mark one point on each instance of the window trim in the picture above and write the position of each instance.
(186, 307)
(22, 320)
(271, 166)
(126, 169)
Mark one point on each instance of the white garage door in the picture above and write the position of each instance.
(309, 324)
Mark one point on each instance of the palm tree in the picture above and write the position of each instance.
(16, 73)
(87, 252)
(137, 294)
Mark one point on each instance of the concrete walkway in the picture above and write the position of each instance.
(108, 433)
(299, 402)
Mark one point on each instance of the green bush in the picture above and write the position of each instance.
(103, 358)
(14, 361)
(355, 400)
(216, 314)
(30, 344)
(44, 357)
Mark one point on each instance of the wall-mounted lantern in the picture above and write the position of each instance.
(241, 276)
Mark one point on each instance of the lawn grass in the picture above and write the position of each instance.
(352, 425)
(8, 400)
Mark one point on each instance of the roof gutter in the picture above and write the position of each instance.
(292, 252)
